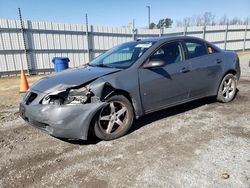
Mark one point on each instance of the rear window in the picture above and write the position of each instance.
(196, 49)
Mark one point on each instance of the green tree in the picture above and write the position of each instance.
(165, 23)
(152, 25)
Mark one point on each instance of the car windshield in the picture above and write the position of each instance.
(122, 56)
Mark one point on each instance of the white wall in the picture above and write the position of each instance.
(45, 40)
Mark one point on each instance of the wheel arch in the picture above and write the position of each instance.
(232, 71)
(108, 91)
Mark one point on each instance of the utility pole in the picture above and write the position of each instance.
(134, 31)
(133, 25)
(24, 41)
(148, 16)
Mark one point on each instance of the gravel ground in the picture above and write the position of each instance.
(199, 144)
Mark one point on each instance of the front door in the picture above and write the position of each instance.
(167, 85)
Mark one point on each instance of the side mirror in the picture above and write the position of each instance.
(154, 63)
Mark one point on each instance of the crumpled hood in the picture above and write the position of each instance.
(71, 78)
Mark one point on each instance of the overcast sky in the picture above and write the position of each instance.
(119, 12)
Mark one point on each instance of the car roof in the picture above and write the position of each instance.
(171, 38)
(168, 38)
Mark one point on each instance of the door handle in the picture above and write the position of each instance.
(218, 60)
(184, 70)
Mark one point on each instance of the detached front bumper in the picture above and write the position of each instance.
(66, 121)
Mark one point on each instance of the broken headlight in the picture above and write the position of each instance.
(55, 98)
(78, 96)
(71, 96)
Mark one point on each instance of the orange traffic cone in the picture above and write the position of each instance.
(24, 85)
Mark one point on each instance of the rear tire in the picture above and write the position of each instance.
(115, 119)
(227, 89)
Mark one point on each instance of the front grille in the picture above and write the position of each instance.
(30, 97)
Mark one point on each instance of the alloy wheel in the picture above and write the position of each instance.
(228, 89)
(113, 117)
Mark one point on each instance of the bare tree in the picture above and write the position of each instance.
(224, 20)
(208, 18)
(246, 21)
(186, 21)
(199, 20)
(236, 21)
(179, 23)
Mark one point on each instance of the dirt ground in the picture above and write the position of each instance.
(199, 144)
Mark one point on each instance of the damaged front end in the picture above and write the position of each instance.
(65, 113)
(90, 93)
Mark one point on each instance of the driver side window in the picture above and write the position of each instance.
(169, 53)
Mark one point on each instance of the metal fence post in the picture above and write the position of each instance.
(134, 34)
(89, 36)
(161, 31)
(225, 40)
(5, 59)
(204, 32)
(134, 31)
(185, 31)
(245, 37)
(90, 43)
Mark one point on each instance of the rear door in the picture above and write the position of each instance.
(163, 86)
(206, 68)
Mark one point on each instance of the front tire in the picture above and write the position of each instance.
(115, 119)
(227, 89)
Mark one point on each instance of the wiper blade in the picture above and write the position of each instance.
(88, 64)
(100, 65)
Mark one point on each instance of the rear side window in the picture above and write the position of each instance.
(196, 49)
(211, 49)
